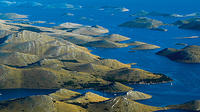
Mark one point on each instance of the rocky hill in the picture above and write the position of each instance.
(64, 100)
(144, 22)
(189, 54)
(36, 57)
(190, 106)
(192, 23)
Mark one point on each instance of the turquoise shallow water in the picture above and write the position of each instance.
(185, 86)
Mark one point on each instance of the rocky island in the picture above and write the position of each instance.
(189, 54)
(144, 22)
(192, 23)
(142, 46)
(65, 100)
(99, 56)
(34, 57)
(30, 54)
(91, 36)
(190, 106)
(156, 13)
(12, 16)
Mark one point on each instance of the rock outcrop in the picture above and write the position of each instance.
(105, 44)
(40, 103)
(64, 94)
(121, 104)
(91, 36)
(69, 25)
(192, 24)
(134, 75)
(64, 100)
(36, 57)
(191, 106)
(115, 38)
(155, 13)
(90, 30)
(136, 95)
(115, 87)
(87, 98)
(189, 54)
(143, 22)
(145, 47)
(12, 16)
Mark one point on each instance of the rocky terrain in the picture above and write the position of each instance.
(134, 76)
(12, 16)
(145, 47)
(142, 46)
(64, 100)
(155, 13)
(43, 58)
(144, 22)
(121, 104)
(189, 54)
(192, 23)
(35, 57)
(191, 106)
(54, 56)
(192, 37)
(43, 103)
(136, 95)
(91, 36)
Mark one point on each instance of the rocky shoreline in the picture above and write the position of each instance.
(34, 57)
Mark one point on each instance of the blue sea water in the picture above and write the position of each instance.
(185, 86)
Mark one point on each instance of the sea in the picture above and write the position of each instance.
(109, 14)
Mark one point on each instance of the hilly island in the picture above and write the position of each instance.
(33, 57)
(99, 56)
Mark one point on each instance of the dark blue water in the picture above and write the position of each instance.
(7, 94)
(185, 86)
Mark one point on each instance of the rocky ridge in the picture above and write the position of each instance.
(189, 54)
(64, 100)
